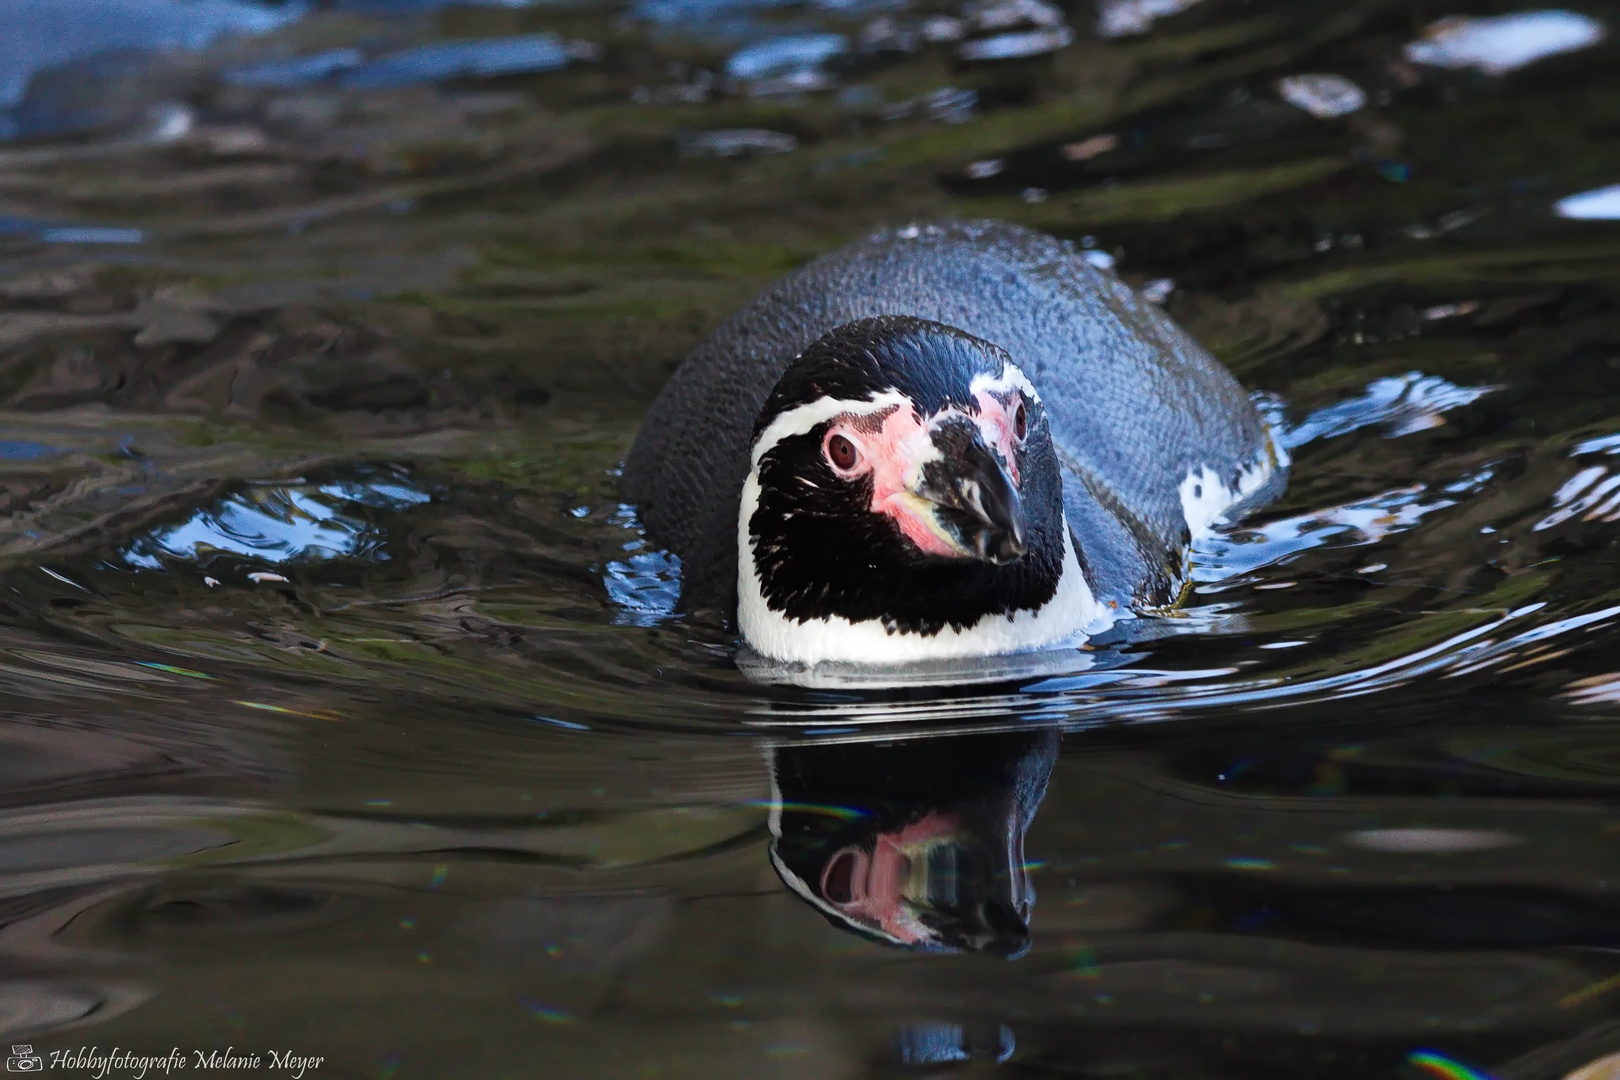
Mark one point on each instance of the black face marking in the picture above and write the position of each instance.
(819, 548)
(977, 502)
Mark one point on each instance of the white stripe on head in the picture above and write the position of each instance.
(803, 419)
(1010, 379)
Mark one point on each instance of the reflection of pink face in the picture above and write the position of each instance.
(871, 888)
(893, 445)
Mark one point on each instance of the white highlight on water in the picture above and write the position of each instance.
(1322, 95)
(1600, 204)
(1503, 43)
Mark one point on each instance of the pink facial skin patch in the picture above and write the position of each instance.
(873, 887)
(998, 422)
(895, 445)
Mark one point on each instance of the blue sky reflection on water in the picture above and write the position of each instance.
(281, 524)
(36, 35)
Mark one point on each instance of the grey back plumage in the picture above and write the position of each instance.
(1133, 401)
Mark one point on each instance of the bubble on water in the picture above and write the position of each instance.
(1123, 18)
(1323, 96)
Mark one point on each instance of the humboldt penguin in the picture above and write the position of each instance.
(954, 440)
(916, 843)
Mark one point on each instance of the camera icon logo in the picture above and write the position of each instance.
(23, 1059)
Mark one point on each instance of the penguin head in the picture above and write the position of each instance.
(904, 502)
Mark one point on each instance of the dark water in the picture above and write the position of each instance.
(345, 711)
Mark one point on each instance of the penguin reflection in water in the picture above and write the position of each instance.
(955, 441)
(914, 843)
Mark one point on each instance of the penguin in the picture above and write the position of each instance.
(915, 843)
(943, 441)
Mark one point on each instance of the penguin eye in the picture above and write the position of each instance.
(1021, 422)
(841, 452)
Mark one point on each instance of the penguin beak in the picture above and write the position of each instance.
(974, 503)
